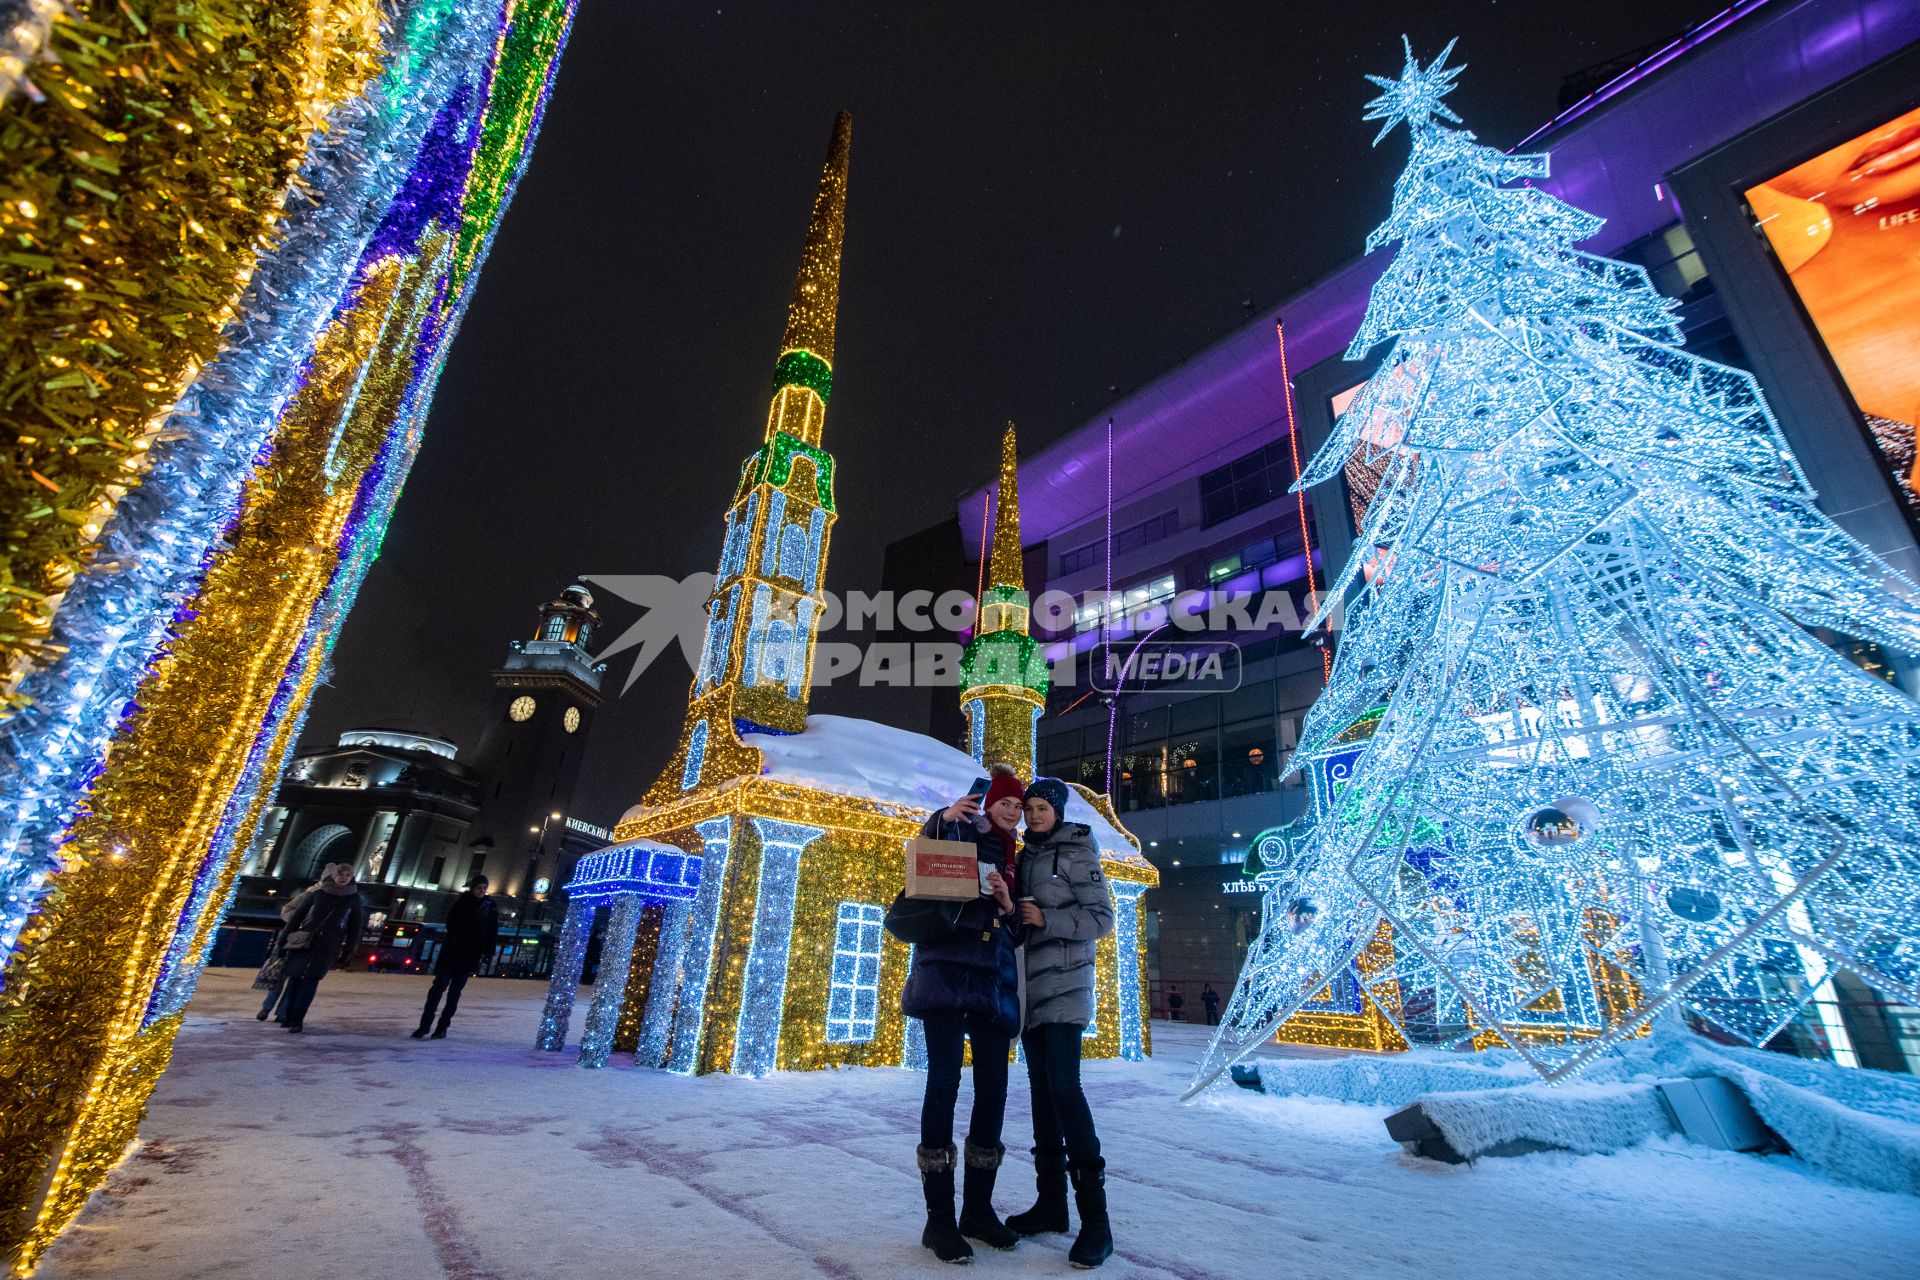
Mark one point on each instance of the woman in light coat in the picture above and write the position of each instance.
(1065, 908)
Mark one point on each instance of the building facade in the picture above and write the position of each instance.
(417, 823)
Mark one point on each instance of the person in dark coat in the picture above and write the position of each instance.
(1065, 908)
(325, 922)
(473, 930)
(967, 986)
(1210, 1001)
(273, 973)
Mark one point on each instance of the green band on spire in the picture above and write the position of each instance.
(777, 465)
(803, 369)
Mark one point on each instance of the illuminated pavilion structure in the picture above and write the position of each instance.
(745, 892)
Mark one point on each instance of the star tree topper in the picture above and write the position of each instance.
(1415, 96)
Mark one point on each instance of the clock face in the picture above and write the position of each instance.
(572, 719)
(521, 708)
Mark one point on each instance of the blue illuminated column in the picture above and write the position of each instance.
(610, 988)
(763, 990)
(669, 971)
(568, 959)
(1126, 945)
(913, 1043)
(716, 834)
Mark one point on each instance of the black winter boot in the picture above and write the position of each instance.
(977, 1218)
(936, 1180)
(1094, 1245)
(1049, 1212)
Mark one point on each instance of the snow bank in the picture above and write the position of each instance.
(1589, 1119)
(850, 757)
(1859, 1126)
(1391, 1081)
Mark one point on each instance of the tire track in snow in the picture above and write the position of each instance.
(689, 1171)
(437, 1214)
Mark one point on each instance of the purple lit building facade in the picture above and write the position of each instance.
(1202, 457)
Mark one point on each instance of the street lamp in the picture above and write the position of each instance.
(533, 865)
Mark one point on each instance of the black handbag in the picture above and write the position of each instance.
(271, 972)
(917, 921)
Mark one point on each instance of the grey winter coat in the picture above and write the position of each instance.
(1061, 873)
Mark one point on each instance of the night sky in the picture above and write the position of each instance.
(1045, 200)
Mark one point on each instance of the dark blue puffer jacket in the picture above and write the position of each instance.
(976, 970)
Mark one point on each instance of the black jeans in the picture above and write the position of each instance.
(448, 982)
(304, 971)
(947, 1033)
(1060, 1112)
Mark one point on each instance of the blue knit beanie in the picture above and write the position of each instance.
(1054, 792)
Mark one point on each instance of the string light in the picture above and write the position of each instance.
(763, 986)
(197, 123)
(344, 319)
(1617, 773)
(115, 616)
(1003, 673)
(610, 989)
(569, 959)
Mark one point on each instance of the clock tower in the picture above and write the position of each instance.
(544, 699)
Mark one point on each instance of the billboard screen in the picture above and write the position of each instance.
(1845, 226)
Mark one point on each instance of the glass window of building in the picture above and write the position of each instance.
(1249, 481)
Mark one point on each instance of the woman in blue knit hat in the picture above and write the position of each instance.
(1065, 908)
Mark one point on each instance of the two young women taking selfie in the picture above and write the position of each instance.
(1017, 961)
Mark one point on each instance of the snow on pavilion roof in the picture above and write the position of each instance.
(841, 755)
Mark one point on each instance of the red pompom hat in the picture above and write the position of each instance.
(1005, 785)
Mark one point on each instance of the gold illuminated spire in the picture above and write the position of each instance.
(1003, 674)
(1005, 569)
(803, 376)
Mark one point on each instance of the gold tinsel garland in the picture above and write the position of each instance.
(135, 194)
(76, 1067)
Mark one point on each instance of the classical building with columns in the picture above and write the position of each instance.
(744, 894)
(416, 822)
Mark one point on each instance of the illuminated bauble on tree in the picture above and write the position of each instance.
(1615, 758)
(1563, 822)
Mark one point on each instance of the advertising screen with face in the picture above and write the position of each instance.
(1845, 226)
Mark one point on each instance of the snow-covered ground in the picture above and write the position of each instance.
(354, 1151)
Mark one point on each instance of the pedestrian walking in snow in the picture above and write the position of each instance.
(272, 977)
(967, 986)
(473, 930)
(1210, 1001)
(323, 923)
(1065, 908)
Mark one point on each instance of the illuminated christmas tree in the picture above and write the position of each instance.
(1584, 596)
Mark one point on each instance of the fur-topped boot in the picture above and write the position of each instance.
(977, 1218)
(936, 1180)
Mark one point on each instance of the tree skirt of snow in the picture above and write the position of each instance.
(851, 757)
(1859, 1126)
(351, 1150)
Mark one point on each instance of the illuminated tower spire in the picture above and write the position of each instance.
(761, 619)
(803, 375)
(1003, 675)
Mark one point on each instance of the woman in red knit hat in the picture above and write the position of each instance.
(968, 986)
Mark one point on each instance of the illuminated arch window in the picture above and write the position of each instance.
(853, 999)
